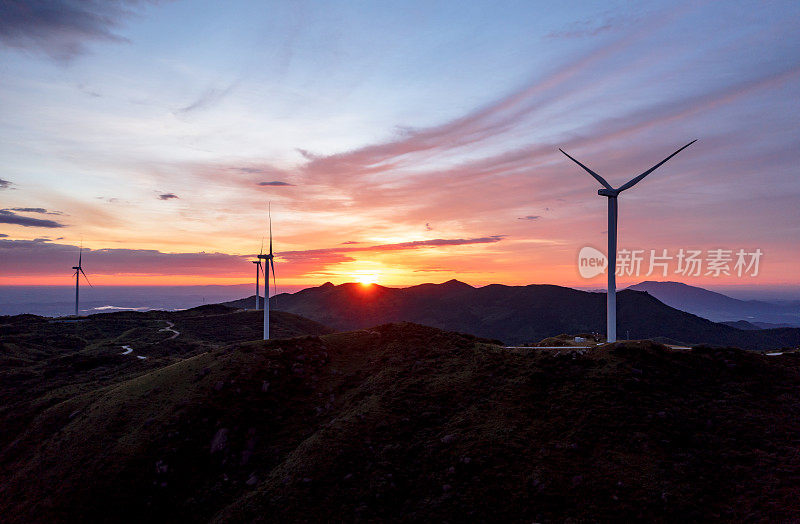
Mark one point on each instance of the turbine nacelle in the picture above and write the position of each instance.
(610, 193)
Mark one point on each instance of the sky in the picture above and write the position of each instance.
(395, 142)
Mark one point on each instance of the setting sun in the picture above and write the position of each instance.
(367, 279)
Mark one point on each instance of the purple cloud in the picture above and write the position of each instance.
(60, 28)
(275, 183)
(40, 210)
(40, 256)
(167, 196)
(9, 217)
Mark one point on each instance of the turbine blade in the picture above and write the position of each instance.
(636, 180)
(85, 277)
(270, 227)
(80, 254)
(274, 282)
(595, 175)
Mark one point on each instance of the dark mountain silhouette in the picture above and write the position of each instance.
(515, 314)
(406, 423)
(743, 324)
(718, 307)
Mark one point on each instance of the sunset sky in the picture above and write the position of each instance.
(398, 142)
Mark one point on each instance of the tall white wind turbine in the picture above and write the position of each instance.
(259, 269)
(268, 262)
(78, 272)
(612, 194)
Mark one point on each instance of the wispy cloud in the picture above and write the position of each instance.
(39, 256)
(167, 196)
(400, 246)
(9, 217)
(530, 217)
(61, 28)
(5, 184)
(275, 183)
(40, 210)
(210, 97)
(592, 27)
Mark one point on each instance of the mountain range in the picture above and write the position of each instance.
(515, 314)
(722, 308)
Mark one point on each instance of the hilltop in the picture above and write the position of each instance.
(406, 422)
(517, 314)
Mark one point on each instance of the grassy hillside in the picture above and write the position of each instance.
(405, 422)
(46, 361)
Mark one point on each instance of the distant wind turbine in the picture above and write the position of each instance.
(259, 269)
(268, 262)
(78, 272)
(612, 194)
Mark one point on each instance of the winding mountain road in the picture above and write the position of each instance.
(171, 327)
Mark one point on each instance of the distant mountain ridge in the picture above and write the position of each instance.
(514, 314)
(718, 307)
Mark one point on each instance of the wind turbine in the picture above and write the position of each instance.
(78, 272)
(268, 262)
(612, 194)
(259, 269)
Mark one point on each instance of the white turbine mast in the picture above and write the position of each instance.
(78, 272)
(268, 263)
(612, 194)
(259, 269)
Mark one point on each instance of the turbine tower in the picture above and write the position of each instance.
(259, 269)
(78, 272)
(268, 262)
(612, 194)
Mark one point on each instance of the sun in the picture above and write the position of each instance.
(367, 279)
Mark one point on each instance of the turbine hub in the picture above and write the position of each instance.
(610, 193)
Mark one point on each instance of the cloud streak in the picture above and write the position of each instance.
(209, 98)
(40, 257)
(275, 183)
(400, 246)
(9, 217)
(40, 210)
(61, 28)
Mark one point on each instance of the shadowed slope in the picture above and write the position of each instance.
(405, 422)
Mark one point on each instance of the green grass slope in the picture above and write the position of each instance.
(405, 422)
